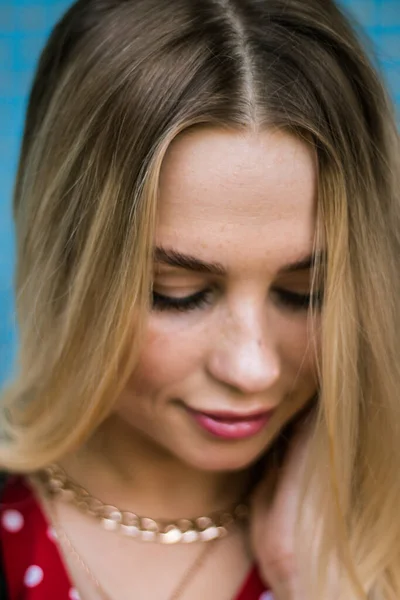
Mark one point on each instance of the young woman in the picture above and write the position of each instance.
(208, 237)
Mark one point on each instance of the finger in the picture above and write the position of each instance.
(274, 521)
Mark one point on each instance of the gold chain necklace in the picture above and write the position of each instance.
(62, 538)
(201, 529)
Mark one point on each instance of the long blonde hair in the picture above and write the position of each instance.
(116, 82)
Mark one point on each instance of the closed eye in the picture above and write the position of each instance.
(185, 303)
(297, 301)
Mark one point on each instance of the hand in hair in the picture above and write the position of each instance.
(274, 518)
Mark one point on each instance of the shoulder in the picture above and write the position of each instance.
(16, 501)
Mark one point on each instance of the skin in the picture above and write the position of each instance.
(273, 530)
(244, 350)
(246, 202)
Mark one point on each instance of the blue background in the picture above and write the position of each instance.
(24, 26)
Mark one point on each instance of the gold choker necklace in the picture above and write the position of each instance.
(201, 529)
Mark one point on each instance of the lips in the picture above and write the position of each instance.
(231, 426)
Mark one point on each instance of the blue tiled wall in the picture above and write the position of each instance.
(24, 25)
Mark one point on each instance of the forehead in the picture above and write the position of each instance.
(249, 191)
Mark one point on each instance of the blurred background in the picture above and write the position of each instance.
(24, 26)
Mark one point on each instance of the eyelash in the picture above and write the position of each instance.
(185, 304)
(292, 300)
(298, 302)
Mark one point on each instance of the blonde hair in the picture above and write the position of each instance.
(116, 82)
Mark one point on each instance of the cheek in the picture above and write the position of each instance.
(300, 351)
(167, 357)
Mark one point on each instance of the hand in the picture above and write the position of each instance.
(273, 521)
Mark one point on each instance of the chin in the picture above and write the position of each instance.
(224, 459)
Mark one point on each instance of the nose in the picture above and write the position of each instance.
(245, 357)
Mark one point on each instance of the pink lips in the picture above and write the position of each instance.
(230, 426)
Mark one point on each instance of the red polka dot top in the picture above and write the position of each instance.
(33, 567)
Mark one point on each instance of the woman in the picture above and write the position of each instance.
(207, 226)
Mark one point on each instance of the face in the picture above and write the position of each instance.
(228, 359)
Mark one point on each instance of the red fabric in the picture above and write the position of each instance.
(33, 566)
(253, 588)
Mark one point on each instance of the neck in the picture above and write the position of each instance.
(125, 469)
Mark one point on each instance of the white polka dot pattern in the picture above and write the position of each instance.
(51, 533)
(12, 521)
(33, 576)
(266, 596)
(74, 594)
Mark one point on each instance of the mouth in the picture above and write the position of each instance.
(231, 426)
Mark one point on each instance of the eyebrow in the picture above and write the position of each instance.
(173, 258)
(308, 262)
